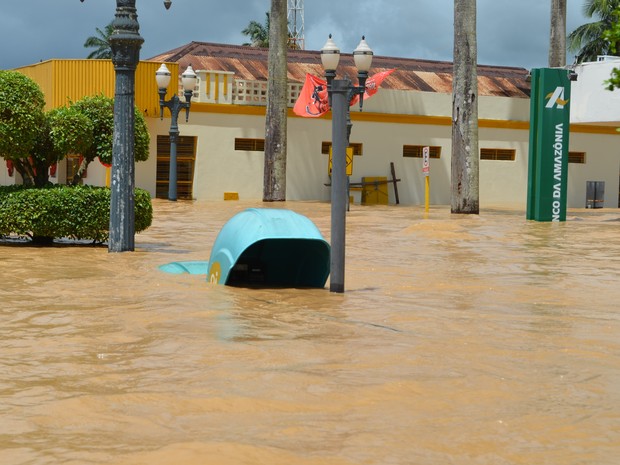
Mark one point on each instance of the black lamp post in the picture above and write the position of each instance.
(341, 92)
(188, 78)
(125, 42)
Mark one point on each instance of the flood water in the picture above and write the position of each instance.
(459, 340)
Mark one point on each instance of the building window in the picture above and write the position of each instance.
(250, 145)
(498, 154)
(577, 157)
(415, 151)
(357, 148)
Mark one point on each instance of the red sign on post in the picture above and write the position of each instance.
(426, 165)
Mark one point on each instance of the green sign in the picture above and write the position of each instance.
(548, 153)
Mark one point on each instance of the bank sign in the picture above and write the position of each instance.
(548, 151)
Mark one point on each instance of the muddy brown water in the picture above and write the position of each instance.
(459, 340)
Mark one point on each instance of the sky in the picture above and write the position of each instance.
(510, 33)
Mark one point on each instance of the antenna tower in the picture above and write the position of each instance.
(296, 24)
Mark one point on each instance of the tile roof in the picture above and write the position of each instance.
(250, 63)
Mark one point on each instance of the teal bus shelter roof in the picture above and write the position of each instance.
(264, 247)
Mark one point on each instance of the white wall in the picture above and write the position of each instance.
(5, 179)
(602, 164)
(591, 101)
(219, 168)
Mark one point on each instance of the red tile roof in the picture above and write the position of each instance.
(250, 63)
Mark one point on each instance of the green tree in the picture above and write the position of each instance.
(31, 138)
(34, 139)
(100, 111)
(274, 180)
(65, 130)
(465, 157)
(258, 33)
(588, 40)
(101, 43)
(21, 114)
(612, 35)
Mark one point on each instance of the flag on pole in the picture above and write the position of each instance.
(372, 85)
(313, 101)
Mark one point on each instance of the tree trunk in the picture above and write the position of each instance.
(41, 173)
(465, 156)
(33, 172)
(557, 41)
(274, 181)
(23, 167)
(77, 177)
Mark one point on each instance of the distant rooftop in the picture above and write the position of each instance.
(250, 63)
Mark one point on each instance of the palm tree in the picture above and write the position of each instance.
(465, 157)
(588, 40)
(557, 38)
(101, 43)
(258, 33)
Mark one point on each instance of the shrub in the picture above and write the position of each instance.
(74, 212)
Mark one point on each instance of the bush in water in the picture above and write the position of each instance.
(74, 212)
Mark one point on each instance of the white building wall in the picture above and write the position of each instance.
(219, 168)
(146, 171)
(602, 164)
(5, 179)
(591, 101)
(504, 182)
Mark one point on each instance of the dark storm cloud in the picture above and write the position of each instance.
(509, 33)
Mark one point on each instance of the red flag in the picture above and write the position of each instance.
(372, 85)
(312, 101)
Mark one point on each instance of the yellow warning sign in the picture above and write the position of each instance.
(349, 162)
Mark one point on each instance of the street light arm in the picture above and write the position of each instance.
(362, 76)
(188, 103)
(330, 75)
(162, 102)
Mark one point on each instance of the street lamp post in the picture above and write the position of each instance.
(341, 92)
(125, 42)
(188, 78)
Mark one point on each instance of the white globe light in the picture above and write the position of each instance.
(162, 76)
(188, 79)
(362, 56)
(330, 55)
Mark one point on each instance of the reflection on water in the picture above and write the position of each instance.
(459, 339)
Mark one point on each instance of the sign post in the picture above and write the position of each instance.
(548, 151)
(426, 170)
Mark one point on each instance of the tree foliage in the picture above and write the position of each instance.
(73, 212)
(258, 33)
(588, 40)
(101, 43)
(100, 110)
(34, 139)
(21, 114)
(612, 35)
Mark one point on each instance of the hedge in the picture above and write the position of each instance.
(73, 212)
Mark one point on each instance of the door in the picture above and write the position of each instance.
(186, 159)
